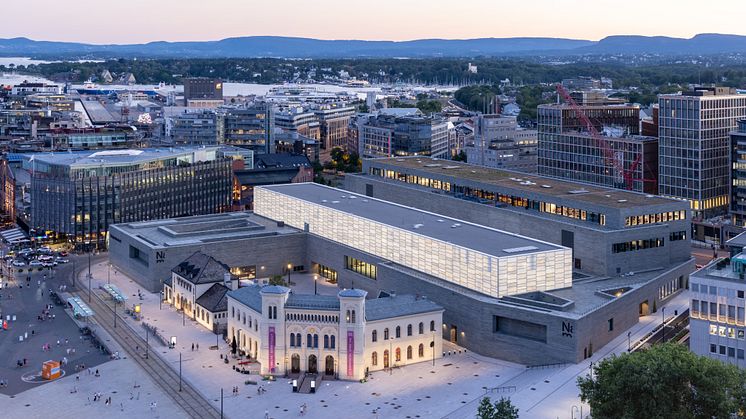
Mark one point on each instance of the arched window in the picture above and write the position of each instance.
(374, 358)
(374, 336)
(348, 316)
(398, 332)
(398, 354)
(315, 341)
(353, 316)
(422, 328)
(432, 325)
(309, 341)
(409, 352)
(409, 330)
(333, 339)
(421, 350)
(297, 340)
(386, 334)
(292, 340)
(326, 341)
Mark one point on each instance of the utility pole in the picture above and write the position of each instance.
(663, 312)
(179, 371)
(146, 343)
(221, 403)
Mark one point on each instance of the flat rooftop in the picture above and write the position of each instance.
(461, 233)
(501, 178)
(201, 229)
(102, 158)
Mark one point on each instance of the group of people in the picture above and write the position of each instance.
(197, 346)
(21, 363)
(235, 390)
(261, 390)
(97, 397)
(303, 409)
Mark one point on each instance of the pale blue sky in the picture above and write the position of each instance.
(134, 21)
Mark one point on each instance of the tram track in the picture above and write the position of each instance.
(187, 398)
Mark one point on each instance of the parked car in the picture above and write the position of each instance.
(49, 264)
(18, 264)
(35, 263)
(61, 260)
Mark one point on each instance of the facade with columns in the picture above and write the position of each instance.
(343, 336)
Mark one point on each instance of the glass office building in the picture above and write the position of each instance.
(76, 196)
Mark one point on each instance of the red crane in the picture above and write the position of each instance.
(606, 149)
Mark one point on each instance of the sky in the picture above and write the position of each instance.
(137, 21)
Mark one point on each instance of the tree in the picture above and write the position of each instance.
(485, 410)
(461, 156)
(502, 409)
(665, 381)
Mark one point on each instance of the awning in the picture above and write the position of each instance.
(13, 235)
(114, 292)
(80, 308)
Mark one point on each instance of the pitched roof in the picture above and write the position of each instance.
(214, 299)
(400, 305)
(200, 268)
(248, 296)
(267, 176)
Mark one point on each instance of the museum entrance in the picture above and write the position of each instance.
(329, 367)
(295, 364)
(454, 334)
(312, 364)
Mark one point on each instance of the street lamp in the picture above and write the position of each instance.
(179, 371)
(290, 266)
(108, 273)
(663, 312)
(432, 345)
(629, 346)
(315, 277)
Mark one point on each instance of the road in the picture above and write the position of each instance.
(183, 394)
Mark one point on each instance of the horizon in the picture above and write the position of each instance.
(390, 20)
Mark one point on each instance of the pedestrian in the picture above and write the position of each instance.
(266, 414)
(198, 346)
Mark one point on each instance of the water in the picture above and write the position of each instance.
(18, 61)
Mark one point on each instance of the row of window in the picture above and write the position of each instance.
(725, 312)
(397, 355)
(634, 245)
(312, 341)
(397, 331)
(661, 217)
(312, 318)
(713, 290)
(726, 332)
(677, 235)
(241, 317)
(731, 352)
(363, 268)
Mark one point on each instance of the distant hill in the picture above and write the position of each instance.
(285, 47)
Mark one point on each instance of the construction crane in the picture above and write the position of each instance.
(606, 149)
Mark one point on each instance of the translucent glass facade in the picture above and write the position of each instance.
(496, 276)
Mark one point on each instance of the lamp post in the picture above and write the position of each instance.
(221, 403)
(290, 266)
(629, 346)
(179, 371)
(315, 277)
(89, 276)
(147, 346)
(108, 273)
(115, 314)
(663, 312)
(432, 345)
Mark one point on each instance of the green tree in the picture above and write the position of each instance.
(429, 106)
(461, 156)
(502, 409)
(666, 381)
(485, 410)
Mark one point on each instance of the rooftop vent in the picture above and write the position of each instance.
(439, 220)
(520, 249)
(335, 202)
(456, 225)
(451, 167)
(621, 200)
(324, 200)
(578, 191)
(418, 225)
(400, 160)
(546, 186)
(433, 165)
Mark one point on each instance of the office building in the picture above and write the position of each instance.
(250, 127)
(195, 128)
(387, 135)
(76, 196)
(497, 141)
(567, 150)
(694, 129)
(297, 120)
(716, 312)
(334, 123)
(505, 295)
(202, 92)
(738, 175)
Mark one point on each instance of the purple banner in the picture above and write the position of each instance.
(271, 349)
(350, 353)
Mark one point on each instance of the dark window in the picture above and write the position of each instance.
(358, 266)
(374, 336)
(398, 332)
(611, 325)
(432, 325)
(409, 330)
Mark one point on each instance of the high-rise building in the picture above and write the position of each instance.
(78, 195)
(387, 135)
(499, 142)
(694, 130)
(250, 127)
(203, 92)
(195, 128)
(297, 120)
(334, 121)
(738, 175)
(567, 150)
